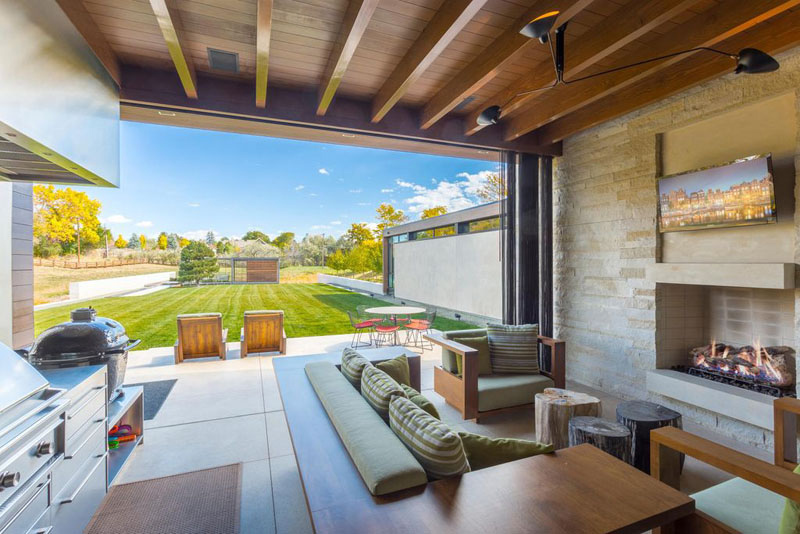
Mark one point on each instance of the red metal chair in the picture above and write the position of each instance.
(417, 327)
(364, 317)
(386, 334)
(360, 327)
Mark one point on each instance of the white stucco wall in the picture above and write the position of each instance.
(111, 286)
(461, 272)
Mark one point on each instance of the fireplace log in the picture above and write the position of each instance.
(641, 417)
(613, 438)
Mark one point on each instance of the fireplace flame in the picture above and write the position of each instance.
(757, 363)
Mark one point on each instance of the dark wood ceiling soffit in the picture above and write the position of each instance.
(777, 36)
(622, 27)
(708, 29)
(501, 52)
(263, 34)
(83, 22)
(356, 20)
(438, 33)
(169, 21)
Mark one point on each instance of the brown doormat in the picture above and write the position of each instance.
(200, 502)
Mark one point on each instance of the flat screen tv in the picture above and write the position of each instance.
(738, 193)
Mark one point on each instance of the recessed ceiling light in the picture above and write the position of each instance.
(166, 113)
(348, 135)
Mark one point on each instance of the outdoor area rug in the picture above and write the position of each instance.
(199, 502)
(155, 393)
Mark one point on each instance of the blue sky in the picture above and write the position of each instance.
(191, 181)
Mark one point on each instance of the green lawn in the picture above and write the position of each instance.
(310, 310)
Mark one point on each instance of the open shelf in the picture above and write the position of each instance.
(754, 275)
(126, 409)
(118, 457)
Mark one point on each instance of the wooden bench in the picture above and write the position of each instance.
(504, 498)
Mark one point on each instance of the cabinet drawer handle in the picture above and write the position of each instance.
(45, 530)
(82, 445)
(85, 403)
(75, 493)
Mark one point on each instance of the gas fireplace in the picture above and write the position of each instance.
(768, 370)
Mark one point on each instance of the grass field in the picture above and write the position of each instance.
(310, 310)
(52, 283)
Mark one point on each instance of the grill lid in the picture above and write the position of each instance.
(85, 335)
(19, 382)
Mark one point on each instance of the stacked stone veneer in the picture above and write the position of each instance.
(605, 235)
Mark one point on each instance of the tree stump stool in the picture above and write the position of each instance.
(555, 407)
(641, 417)
(613, 438)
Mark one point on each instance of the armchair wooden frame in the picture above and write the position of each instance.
(668, 443)
(263, 332)
(461, 392)
(200, 336)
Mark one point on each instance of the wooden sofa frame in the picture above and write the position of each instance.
(461, 392)
(668, 443)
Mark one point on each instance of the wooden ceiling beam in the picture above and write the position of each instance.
(356, 20)
(619, 29)
(86, 26)
(263, 35)
(491, 61)
(777, 36)
(170, 23)
(443, 28)
(708, 29)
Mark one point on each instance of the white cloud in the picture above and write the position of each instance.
(320, 227)
(473, 182)
(454, 195)
(387, 190)
(118, 219)
(355, 190)
(299, 187)
(194, 205)
(403, 183)
(335, 223)
(312, 194)
(196, 235)
(323, 170)
(144, 224)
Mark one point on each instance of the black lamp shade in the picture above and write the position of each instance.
(489, 116)
(540, 26)
(754, 61)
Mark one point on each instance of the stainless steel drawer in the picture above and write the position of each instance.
(90, 446)
(29, 510)
(74, 507)
(84, 409)
(28, 456)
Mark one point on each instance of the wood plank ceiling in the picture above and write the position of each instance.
(441, 61)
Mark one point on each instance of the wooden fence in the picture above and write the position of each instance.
(44, 262)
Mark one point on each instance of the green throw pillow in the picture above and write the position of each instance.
(437, 448)
(514, 348)
(481, 344)
(378, 388)
(353, 365)
(486, 452)
(421, 400)
(790, 520)
(397, 368)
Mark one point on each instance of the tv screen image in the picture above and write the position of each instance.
(734, 194)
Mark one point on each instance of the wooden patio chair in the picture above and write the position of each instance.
(476, 396)
(754, 499)
(263, 332)
(200, 335)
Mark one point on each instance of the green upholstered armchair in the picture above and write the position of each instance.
(477, 396)
(752, 501)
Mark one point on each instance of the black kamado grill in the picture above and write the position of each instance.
(85, 340)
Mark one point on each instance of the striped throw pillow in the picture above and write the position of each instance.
(378, 388)
(514, 348)
(437, 448)
(353, 365)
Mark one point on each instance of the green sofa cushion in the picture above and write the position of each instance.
(353, 365)
(503, 391)
(432, 443)
(790, 521)
(378, 388)
(421, 400)
(483, 451)
(742, 505)
(397, 368)
(382, 460)
(449, 357)
(481, 344)
(514, 348)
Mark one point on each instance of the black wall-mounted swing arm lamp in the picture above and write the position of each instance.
(748, 61)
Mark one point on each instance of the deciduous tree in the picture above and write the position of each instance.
(433, 212)
(283, 240)
(182, 242)
(493, 189)
(120, 242)
(256, 235)
(357, 234)
(388, 216)
(65, 216)
(162, 241)
(143, 242)
(133, 242)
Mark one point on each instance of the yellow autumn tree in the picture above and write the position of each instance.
(65, 216)
(142, 242)
(388, 216)
(120, 242)
(493, 188)
(435, 211)
(162, 241)
(183, 242)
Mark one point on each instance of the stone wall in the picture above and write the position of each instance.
(606, 234)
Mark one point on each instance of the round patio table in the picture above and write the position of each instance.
(393, 312)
